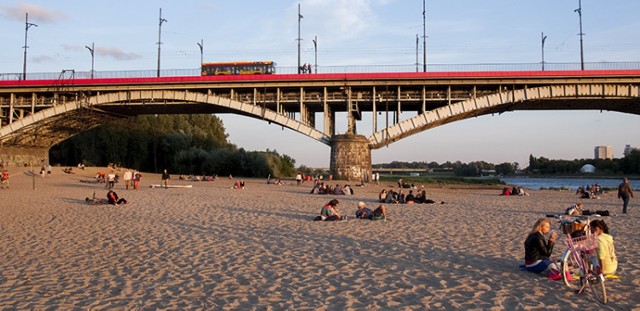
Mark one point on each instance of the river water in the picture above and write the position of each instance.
(570, 183)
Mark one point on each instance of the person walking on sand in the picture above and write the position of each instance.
(165, 178)
(128, 175)
(136, 180)
(625, 193)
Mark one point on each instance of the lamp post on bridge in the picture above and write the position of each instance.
(579, 10)
(417, 47)
(26, 30)
(424, 36)
(543, 39)
(299, 39)
(162, 20)
(201, 46)
(315, 52)
(91, 50)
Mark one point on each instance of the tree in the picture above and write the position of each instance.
(186, 144)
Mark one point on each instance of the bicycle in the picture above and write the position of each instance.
(580, 266)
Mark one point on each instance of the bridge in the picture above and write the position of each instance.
(37, 114)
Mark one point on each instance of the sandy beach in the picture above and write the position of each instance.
(211, 247)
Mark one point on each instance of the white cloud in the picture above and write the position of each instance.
(43, 59)
(116, 53)
(340, 20)
(36, 13)
(113, 53)
(71, 48)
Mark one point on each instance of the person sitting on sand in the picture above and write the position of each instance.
(574, 210)
(363, 212)
(537, 250)
(392, 197)
(112, 197)
(239, 184)
(606, 251)
(521, 192)
(400, 197)
(4, 179)
(347, 190)
(410, 198)
(422, 198)
(330, 211)
(337, 190)
(382, 195)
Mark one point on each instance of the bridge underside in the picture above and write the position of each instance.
(57, 128)
(41, 118)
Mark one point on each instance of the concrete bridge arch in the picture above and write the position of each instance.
(59, 122)
(612, 97)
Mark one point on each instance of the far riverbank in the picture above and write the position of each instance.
(538, 183)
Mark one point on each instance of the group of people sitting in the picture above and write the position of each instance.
(239, 184)
(330, 212)
(514, 191)
(322, 188)
(538, 248)
(405, 185)
(393, 197)
(589, 192)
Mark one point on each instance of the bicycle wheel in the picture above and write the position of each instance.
(596, 282)
(571, 270)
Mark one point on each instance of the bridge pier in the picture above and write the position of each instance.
(23, 157)
(350, 157)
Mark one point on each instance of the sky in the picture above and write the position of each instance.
(350, 33)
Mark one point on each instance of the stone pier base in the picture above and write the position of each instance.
(350, 158)
(23, 157)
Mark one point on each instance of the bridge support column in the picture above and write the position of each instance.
(23, 157)
(350, 157)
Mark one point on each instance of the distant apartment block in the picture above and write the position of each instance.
(603, 152)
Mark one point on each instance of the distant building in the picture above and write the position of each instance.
(588, 168)
(603, 152)
(628, 149)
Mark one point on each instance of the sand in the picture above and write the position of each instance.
(213, 247)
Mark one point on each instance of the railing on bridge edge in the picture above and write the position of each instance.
(335, 69)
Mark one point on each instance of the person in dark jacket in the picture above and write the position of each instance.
(112, 198)
(537, 250)
(625, 192)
